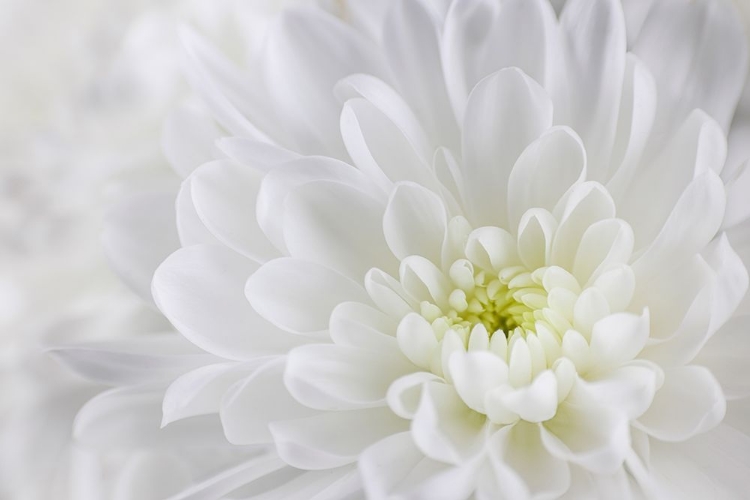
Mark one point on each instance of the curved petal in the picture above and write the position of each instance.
(698, 48)
(444, 428)
(337, 226)
(299, 296)
(690, 402)
(594, 37)
(355, 324)
(410, 39)
(395, 468)
(333, 439)
(415, 222)
(200, 289)
(726, 356)
(520, 448)
(224, 195)
(506, 112)
(587, 433)
(332, 377)
(544, 172)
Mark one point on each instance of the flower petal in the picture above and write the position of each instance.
(224, 195)
(333, 439)
(726, 356)
(546, 169)
(338, 227)
(332, 377)
(299, 296)
(188, 139)
(395, 468)
(690, 402)
(200, 290)
(250, 405)
(415, 222)
(476, 373)
(506, 112)
(587, 433)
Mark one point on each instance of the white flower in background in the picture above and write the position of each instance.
(467, 248)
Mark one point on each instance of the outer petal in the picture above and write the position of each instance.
(594, 34)
(396, 468)
(505, 113)
(546, 169)
(250, 405)
(329, 377)
(726, 356)
(200, 290)
(224, 195)
(690, 402)
(415, 222)
(332, 439)
(698, 54)
(299, 296)
(586, 433)
(336, 226)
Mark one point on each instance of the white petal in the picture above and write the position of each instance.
(139, 233)
(444, 428)
(333, 439)
(331, 377)
(594, 34)
(726, 356)
(388, 294)
(224, 195)
(190, 227)
(423, 280)
(389, 102)
(278, 183)
(713, 465)
(505, 113)
(299, 296)
(520, 447)
(476, 373)
(604, 244)
(586, 204)
(410, 38)
(405, 393)
(250, 405)
(690, 402)
(590, 307)
(255, 154)
(536, 232)
(629, 388)
(199, 392)
(157, 357)
(618, 338)
(617, 285)
(200, 289)
(492, 249)
(415, 222)
(358, 325)
(417, 341)
(546, 169)
(696, 147)
(692, 224)
(319, 49)
(336, 226)
(586, 433)
(396, 468)
(129, 418)
(537, 402)
(687, 46)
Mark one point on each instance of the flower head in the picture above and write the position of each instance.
(482, 251)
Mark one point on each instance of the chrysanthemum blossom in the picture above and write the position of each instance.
(475, 250)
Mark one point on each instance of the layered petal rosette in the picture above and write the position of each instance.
(470, 249)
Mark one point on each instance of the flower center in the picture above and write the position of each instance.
(508, 302)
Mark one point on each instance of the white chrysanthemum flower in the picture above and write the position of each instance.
(468, 249)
